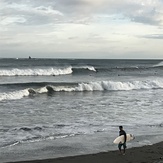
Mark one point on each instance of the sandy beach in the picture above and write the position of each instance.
(145, 154)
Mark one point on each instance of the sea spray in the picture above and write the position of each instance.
(36, 72)
(15, 95)
(83, 87)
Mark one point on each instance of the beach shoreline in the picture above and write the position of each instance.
(145, 154)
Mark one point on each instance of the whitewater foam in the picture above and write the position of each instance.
(42, 90)
(110, 86)
(86, 67)
(36, 72)
(91, 68)
(60, 89)
(119, 86)
(159, 64)
(15, 95)
(81, 87)
(42, 71)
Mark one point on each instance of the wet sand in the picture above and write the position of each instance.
(145, 154)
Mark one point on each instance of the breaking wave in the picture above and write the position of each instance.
(15, 95)
(83, 87)
(109, 86)
(36, 72)
(159, 64)
(90, 68)
(44, 71)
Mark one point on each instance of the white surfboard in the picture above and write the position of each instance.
(120, 139)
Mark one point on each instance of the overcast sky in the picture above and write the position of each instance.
(81, 28)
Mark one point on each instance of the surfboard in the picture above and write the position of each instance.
(121, 138)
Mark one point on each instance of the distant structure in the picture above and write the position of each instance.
(29, 57)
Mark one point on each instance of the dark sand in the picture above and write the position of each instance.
(145, 154)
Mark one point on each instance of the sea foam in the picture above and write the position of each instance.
(15, 95)
(110, 86)
(36, 72)
(159, 64)
(42, 71)
(86, 87)
(119, 86)
(91, 68)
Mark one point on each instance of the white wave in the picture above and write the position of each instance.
(36, 72)
(91, 86)
(15, 95)
(159, 64)
(42, 90)
(38, 90)
(61, 88)
(91, 68)
(112, 86)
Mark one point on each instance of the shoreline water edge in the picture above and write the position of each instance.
(145, 154)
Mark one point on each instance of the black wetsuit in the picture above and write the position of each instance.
(122, 132)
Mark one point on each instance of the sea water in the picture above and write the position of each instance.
(63, 107)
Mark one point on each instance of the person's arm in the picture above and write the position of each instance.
(125, 136)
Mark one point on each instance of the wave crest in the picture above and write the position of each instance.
(159, 64)
(119, 86)
(84, 87)
(109, 86)
(44, 71)
(15, 95)
(36, 72)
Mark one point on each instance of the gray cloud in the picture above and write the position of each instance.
(28, 12)
(146, 12)
(145, 19)
(37, 12)
(153, 36)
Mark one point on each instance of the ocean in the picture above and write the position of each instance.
(63, 107)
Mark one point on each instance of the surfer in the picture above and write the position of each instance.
(122, 132)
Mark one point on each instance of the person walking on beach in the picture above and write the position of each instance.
(122, 132)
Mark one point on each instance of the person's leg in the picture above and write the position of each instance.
(120, 146)
(124, 151)
(124, 148)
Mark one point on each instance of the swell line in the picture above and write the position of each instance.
(49, 71)
(36, 72)
(84, 87)
(37, 84)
